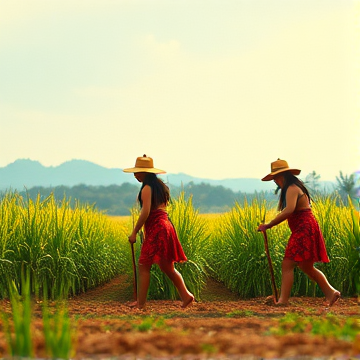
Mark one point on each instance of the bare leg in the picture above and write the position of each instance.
(331, 294)
(169, 269)
(144, 282)
(287, 280)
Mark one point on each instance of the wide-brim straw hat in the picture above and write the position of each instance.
(144, 164)
(278, 167)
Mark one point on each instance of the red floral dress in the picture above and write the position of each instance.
(161, 241)
(306, 242)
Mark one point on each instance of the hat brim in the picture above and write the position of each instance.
(146, 170)
(273, 174)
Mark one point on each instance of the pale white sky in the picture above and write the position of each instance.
(212, 88)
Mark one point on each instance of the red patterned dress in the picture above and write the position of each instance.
(161, 241)
(306, 242)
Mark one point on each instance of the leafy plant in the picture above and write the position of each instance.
(19, 338)
(58, 332)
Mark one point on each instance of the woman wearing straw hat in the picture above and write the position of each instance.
(161, 245)
(306, 244)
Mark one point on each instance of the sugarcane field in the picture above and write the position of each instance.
(68, 285)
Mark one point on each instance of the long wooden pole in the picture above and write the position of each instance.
(134, 271)
(134, 263)
(273, 283)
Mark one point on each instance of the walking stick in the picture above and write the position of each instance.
(134, 271)
(134, 264)
(273, 284)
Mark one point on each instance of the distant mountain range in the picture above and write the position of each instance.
(25, 173)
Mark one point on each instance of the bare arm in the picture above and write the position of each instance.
(144, 213)
(292, 194)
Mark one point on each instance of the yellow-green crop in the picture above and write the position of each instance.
(66, 250)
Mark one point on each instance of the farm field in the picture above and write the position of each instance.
(51, 252)
(220, 326)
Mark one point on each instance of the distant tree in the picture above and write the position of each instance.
(347, 187)
(312, 182)
(210, 198)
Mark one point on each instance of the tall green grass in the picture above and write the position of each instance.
(193, 236)
(338, 225)
(70, 250)
(355, 243)
(18, 331)
(58, 332)
(19, 328)
(66, 250)
(237, 250)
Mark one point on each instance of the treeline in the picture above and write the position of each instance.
(217, 199)
(119, 199)
(112, 199)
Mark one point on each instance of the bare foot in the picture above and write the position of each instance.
(336, 296)
(281, 304)
(134, 305)
(270, 300)
(188, 302)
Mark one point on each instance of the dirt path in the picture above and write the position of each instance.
(121, 289)
(221, 326)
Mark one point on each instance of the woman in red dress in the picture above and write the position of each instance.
(161, 245)
(306, 244)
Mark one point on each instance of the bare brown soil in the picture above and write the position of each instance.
(219, 326)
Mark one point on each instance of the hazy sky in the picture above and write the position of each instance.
(215, 89)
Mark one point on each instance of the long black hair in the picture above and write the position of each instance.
(290, 179)
(160, 193)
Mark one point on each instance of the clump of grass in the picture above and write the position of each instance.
(209, 348)
(150, 323)
(57, 327)
(240, 314)
(19, 338)
(58, 331)
(326, 326)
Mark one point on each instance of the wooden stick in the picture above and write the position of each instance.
(273, 283)
(133, 261)
(134, 271)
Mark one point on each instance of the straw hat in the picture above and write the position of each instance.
(144, 164)
(278, 167)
